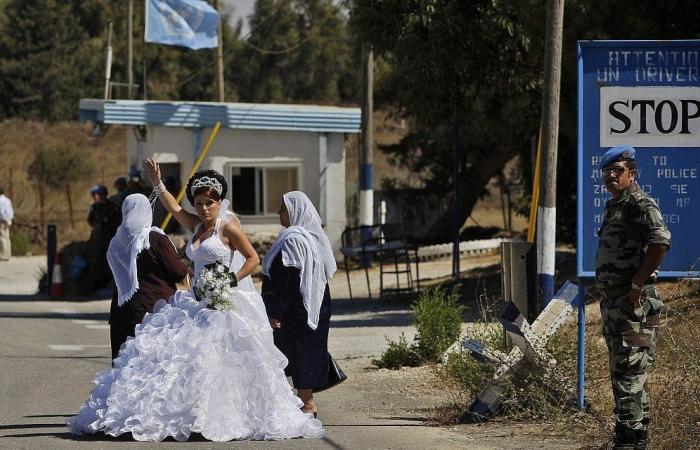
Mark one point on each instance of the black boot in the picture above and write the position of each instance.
(641, 440)
(624, 439)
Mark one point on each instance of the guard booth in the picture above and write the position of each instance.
(263, 150)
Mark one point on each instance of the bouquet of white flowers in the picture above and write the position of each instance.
(215, 286)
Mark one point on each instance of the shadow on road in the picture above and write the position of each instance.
(47, 315)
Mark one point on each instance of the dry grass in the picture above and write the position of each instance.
(537, 398)
(674, 382)
(20, 141)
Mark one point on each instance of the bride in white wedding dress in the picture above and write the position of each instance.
(192, 369)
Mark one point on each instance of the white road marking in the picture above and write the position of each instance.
(88, 323)
(74, 348)
(63, 311)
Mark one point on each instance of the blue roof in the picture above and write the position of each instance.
(252, 116)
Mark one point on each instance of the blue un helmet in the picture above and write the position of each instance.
(98, 189)
(618, 153)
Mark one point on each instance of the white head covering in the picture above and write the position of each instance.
(304, 245)
(130, 239)
(6, 211)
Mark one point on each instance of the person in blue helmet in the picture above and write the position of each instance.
(633, 242)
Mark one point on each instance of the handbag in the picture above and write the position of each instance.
(335, 375)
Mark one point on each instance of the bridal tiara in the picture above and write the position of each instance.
(206, 182)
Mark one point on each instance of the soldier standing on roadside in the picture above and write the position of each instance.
(633, 242)
(104, 218)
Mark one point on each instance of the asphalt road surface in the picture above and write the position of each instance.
(50, 351)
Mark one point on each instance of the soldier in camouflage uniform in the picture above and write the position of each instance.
(633, 242)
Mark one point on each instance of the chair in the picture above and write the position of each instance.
(353, 241)
(394, 252)
(388, 246)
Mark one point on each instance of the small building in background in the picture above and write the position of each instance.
(263, 150)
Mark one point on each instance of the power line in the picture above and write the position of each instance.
(244, 41)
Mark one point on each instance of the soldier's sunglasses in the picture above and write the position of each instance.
(616, 170)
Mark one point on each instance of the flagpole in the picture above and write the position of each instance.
(108, 63)
(130, 63)
(219, 52)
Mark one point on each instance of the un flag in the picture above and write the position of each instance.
(188, 23)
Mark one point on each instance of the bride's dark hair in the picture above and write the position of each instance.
(206, 189)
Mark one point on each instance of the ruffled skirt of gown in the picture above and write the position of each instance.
(192, 369)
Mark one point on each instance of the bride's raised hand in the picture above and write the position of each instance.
(152, 170)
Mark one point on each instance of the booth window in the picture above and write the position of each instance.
(259, 190)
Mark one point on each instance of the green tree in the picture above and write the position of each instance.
(468, 65)
(52, 53)
(297, 51)
(48, 57)
(58, 168)
(480, 64)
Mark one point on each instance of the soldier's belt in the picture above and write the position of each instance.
(619, 291)
(616, 291)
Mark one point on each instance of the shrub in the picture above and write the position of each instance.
(20, 243)
(397, 355)
(467, 373)
(438, 319)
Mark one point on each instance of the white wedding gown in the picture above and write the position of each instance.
(193, 369)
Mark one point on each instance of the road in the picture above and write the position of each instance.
(52, 349)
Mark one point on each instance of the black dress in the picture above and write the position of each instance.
(305, 348)
(158, 269)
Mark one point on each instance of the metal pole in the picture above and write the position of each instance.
(108, 65)
(130, 51)
(50, 254)
(455, 207)
(367, 156)
(145, 79)
(581, 363)
(219, 51)
(203, 153)
(546, 217)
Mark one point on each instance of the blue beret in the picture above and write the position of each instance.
(615, 154)
(99, 189)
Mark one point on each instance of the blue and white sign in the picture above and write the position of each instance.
(188, 23)
(645, 94)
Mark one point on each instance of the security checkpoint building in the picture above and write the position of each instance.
(263, 150)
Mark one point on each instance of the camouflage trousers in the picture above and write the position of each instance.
(631, 335)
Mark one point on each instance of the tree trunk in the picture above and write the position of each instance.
(42, 212)
(472, 185)
(70, 207)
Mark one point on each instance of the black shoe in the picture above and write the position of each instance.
(641, 440)
(624, 440)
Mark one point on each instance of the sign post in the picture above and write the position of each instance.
(645, 94)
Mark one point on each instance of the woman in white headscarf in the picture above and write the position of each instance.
(145, 266)
(295, 289)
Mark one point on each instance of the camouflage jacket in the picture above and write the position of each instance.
(630, 223)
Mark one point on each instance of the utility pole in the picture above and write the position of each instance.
(130, 50)
(219, 52)
(456, 173)
(546, 217)
(366, 169)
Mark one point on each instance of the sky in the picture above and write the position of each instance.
(241, 9)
